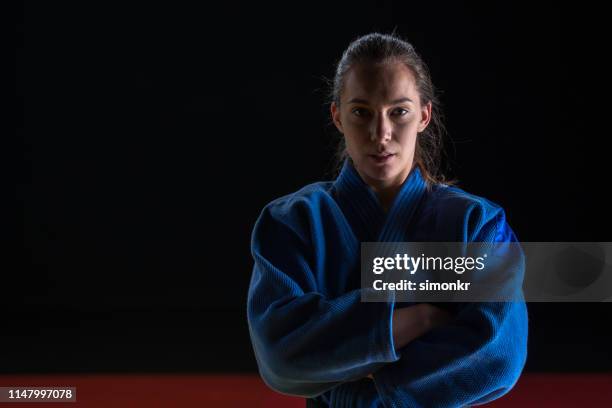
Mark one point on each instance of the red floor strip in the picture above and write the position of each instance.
(152, 391)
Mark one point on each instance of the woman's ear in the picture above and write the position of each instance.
(335, 114)
(425, 117)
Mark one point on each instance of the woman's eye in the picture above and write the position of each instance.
(363, 112)
(359, 112)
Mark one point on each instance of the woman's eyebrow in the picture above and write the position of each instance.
(400, 100)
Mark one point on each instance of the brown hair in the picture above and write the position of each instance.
(375, 48)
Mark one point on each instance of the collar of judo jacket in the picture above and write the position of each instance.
(361, 206)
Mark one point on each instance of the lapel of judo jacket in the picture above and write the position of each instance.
(363, 211)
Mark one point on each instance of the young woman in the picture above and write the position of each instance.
(311, 333)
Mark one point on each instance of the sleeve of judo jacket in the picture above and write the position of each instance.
(304, 343)
(473, 360)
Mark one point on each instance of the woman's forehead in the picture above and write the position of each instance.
(391, 81)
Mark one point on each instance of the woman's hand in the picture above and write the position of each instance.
(436, 315)
(414, 321)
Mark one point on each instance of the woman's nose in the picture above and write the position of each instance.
(381, 129)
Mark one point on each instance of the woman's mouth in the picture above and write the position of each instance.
(382, 158)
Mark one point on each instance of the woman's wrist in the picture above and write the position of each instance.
(435, 316)
(408, 324)
(414, 321)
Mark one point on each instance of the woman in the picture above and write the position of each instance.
(312, 336)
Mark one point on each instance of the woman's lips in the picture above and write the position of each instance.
(382, 158)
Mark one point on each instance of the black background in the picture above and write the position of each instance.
(150, 137)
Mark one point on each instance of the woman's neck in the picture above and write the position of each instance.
(387, 195)
(386, 190)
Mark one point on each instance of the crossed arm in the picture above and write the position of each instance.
(307, 344)
(414, 321)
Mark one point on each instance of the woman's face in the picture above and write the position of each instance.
(379, 116)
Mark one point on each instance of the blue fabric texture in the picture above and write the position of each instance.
(313, 337)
